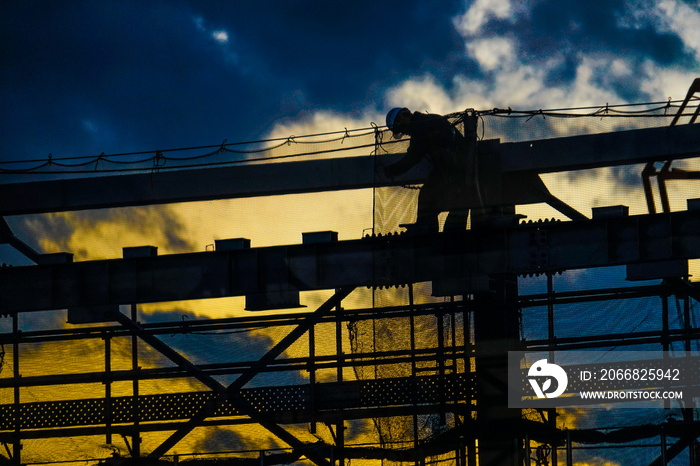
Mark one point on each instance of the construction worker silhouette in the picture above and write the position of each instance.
(449, 187)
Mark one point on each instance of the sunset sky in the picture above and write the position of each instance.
(83, 78)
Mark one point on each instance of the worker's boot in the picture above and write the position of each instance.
(422, 228)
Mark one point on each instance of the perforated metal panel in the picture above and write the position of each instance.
(419, 390)
(54, 414)
(267, 400)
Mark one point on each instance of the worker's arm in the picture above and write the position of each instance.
(412, 158)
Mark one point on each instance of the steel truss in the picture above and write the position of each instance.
(460, 378)
(448, 385)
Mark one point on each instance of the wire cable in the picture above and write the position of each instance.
(167, 159)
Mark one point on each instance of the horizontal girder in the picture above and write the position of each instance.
(453, 261)
(250, 180)
(280, 404)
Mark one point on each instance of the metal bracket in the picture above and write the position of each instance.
(665, 173)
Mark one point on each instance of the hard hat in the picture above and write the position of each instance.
(391, 116)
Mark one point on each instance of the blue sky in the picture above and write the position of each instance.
(81, 78)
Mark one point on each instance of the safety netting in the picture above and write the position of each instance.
(395, 207)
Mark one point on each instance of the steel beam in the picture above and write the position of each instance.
(251, 180)
(281, 404)
(378, 261)
(330, 416)
(602, 150)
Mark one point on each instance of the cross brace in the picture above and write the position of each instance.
(224, 393)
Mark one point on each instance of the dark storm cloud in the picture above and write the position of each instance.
(629, 176)
(61, 229)
(81, 78)
(600, 26)
(569, 30)
(335, 51)
(222, 440)
(93, 77)
(595, 26)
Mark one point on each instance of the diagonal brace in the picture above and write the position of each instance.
(245, 377)
(171, 354)
(210, 382)
(673, 451)
(7, 236)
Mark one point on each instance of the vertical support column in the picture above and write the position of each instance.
(17, 444)
(455, 336)
(664, 323)
(412, 330)
(550, 314)
(528, 450)
(496, 329)
(340, 442)
(663, 447)
(551, 412)
(340, 426)
(339, 341)
(665, 342)
(136, 438)
(687, 327)
(108, 388)
(441, 364)
(460, 457)
(312, 374)
(688, 413)
(468, 351)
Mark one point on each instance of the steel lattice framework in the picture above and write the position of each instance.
(461, 374)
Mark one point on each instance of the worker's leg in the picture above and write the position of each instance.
(457, 197)
(429, 207)
(456, 220)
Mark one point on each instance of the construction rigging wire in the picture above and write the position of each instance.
(245, 152)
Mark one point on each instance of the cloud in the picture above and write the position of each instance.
(422, 94)
(223, 440)
(674, 16)
(588, 57)
(492, 53)
(683, 21)
(321, 122)
(511, 83)
(663, 82)
(101, 234)
(220, 36)
(481, 12)
(223, 39)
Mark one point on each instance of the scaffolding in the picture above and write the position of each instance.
(401, 357)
